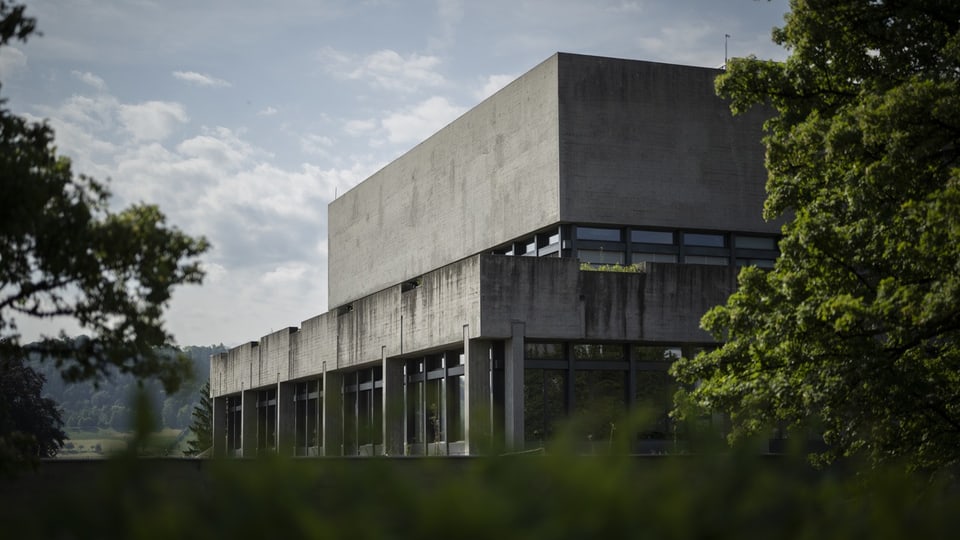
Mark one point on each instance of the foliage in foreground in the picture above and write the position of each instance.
(857, 328)
(552, 496)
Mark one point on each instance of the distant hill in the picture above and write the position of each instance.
(107, 404)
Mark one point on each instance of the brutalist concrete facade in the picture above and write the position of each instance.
(464, 309)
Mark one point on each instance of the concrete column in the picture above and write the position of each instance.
(513, 387)
(332, 413)
(393, 407)
(477, 402)
(248, 419)
(219, 426)
(286, 418)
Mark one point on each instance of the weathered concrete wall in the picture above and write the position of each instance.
(485, 179)
(651, 144)
(556, 300)
(275, 355)
(316, 344)
(677, 296)
(435, 312)
(385, 324)
(552, 297)
(233, 371)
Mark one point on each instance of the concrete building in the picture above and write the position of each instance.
(460, 313)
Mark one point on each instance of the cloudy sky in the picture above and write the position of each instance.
(242, 119)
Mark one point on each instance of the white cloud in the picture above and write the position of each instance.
(287, 275)
(90, 79)
(214, 272)
(316, 144)
(385, 68)
(12, 60)
(360, 127)
(219, 146)
(493, 84)
(200, 79)
(152, 120)
(420, 121)
(268, 111)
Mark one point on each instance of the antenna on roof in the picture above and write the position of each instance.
(726, 38)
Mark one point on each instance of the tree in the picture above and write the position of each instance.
(856, 329)
(30, 425)
(64, 253)
(202, 426)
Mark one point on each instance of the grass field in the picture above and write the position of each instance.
(102, 443)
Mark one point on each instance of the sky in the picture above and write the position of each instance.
(243, 119)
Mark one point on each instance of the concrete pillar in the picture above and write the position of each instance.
(332, 413)
(219, 426)
(286, 419)
(513, 387)
(393, 407)
(476, 373)
(248, 419)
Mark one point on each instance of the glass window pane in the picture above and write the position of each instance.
(414, 396)
(651, 237)
(699, 239)
(599, 401)
(596, 233)
(544, 405)
(434, 403)
(543, 351)
(598, 351)
(654, 257)
(655, 391)
(656, 353)
(455, 396)
(600, 257)
(755, 242)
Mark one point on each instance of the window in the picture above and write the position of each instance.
(267, 419)
(600, 234)
(598, 351)
(599, 400)
(651, 237)
(435, 402)
(655, 388)
(755, 242)
(543, 351)
(706, 240)
(234, 424)
(592, 256)
(544, 404)
(530, 247)
(307, 418)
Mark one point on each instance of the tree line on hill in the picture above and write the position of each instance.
(108, 403)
